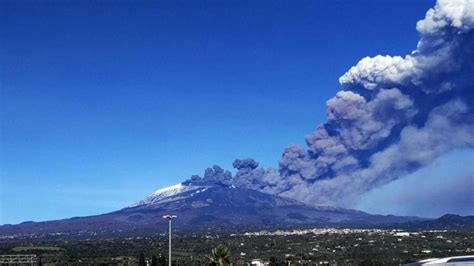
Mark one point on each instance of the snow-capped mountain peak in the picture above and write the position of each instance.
(168, 194)
(169, 191)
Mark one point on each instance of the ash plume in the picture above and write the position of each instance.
(211, 176)
(394, 115)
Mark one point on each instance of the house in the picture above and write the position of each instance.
(259, 262)
(402, 234)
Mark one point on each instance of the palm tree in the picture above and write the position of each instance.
(220, 256)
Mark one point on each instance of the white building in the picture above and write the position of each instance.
(259, 262)
(402, 234)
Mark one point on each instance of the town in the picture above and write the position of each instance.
(323, 246)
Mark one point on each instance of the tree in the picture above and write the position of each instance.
(141, 260)
(162, 261)
(220, 256)
(154, 261)
(273, 260)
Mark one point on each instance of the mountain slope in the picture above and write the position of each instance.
(213, 207)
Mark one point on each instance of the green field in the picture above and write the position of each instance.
(36, 248)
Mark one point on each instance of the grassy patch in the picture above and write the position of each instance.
(36, 248)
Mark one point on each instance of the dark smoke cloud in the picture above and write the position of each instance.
(245, 164)
(394, 115)
(211, 176)
(248, 175)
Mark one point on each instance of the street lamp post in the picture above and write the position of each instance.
(169, 218)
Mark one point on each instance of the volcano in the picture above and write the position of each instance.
(204, 207)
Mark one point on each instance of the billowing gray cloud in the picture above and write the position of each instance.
(446, 34)
(211, 176)
(394, 115)
(248, 175)
(247, 163)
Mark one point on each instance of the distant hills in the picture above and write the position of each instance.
(448, 221)
(216, 207)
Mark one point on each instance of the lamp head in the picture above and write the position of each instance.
(170, 217)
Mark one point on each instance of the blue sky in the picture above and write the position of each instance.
(103, 103)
